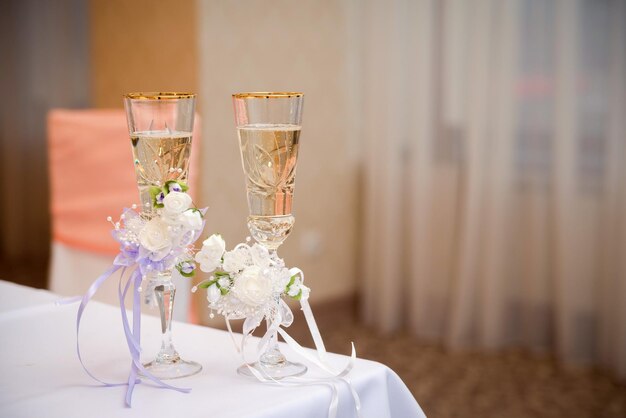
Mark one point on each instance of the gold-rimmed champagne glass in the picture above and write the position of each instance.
(160, 126)
(268, 126)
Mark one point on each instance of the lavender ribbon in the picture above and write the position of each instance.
(133, 338)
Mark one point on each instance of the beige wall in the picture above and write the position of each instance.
(284, 46)
(141, 45)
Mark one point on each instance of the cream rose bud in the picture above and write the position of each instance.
(236, 260)
(210, 256)
(252, 287)
(192, 219)
(213, 293)
(214, 246)
(207, 263)
(155, 236)
(176, 202)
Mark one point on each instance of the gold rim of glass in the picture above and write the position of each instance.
(267, 95)
(160, 95)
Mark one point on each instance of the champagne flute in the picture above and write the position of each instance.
(160, 127)
(268, 125)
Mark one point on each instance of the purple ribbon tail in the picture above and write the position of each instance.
(84, 301)
(133, 338)
(132, 378)
(68, 300)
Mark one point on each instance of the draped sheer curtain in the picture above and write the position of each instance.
(494, 180)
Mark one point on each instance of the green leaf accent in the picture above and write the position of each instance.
(221, 274)
(206, 285)
(291, 281)
(154, 192)
(197, 210)
(166, 187)
(182, 273)
(182, 185)
(298, 296)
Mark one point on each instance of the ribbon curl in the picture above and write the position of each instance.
(133, 337)
(283, 317)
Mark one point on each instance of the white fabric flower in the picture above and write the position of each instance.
(210, 256)
(223, 282)
(214, 245)
(213, 293)
(192, 219)
(176, 203)
(206, 262)
(155, 237)
(252, 287)
(236, 260)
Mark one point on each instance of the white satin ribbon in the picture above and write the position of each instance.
(283, 317)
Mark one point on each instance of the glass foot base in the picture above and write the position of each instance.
(280, 371)
(172, 369)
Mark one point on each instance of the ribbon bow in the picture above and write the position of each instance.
(283, 317)
(132, 335)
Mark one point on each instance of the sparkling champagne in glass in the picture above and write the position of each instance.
(159, 156)
(268, 125)
(269, 153)
(160, 127)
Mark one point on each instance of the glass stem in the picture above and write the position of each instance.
(165, 292)
(272, 356)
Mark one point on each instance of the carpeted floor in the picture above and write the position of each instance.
(510, 384)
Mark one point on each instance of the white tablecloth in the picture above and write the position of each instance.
(40, 375)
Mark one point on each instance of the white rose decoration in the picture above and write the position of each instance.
(214, 245)
(155, 237)
(213, 293)
(192, 219)
(176, 203)
(206, 262)
(236, 260)
(252, 287)
(210, 256)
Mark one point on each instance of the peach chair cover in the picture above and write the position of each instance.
(92, 177)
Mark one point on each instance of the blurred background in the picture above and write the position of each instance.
(461, 190)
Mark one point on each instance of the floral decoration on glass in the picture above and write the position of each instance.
(250, 282)
(155, 237)
(164, 241)
(247, 281)
(152, 244)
